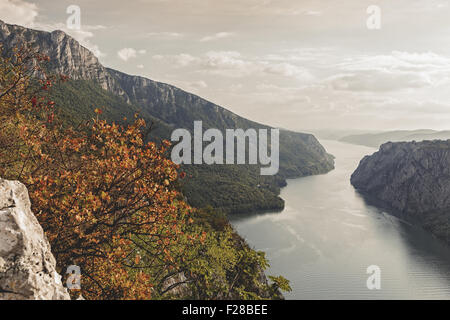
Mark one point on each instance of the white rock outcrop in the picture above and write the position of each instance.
(27, 266)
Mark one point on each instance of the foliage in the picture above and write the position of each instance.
(108, 201)
(97, 191)
(225, 267)
(230, 188)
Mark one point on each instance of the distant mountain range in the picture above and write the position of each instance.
(232, 188)
(377, 139)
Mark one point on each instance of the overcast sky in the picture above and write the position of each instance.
(299, 64)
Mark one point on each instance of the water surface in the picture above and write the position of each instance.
(327, 236)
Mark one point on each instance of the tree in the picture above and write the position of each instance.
(101, 193)
(108, 201)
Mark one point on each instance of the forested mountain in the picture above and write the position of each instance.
(232, 188)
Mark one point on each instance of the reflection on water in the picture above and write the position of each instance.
(327, 236)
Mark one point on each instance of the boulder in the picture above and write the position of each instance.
(27, 266)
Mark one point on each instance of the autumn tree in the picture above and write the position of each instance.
(102, 194)
(108, 202)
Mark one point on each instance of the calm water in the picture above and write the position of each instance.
(327, 236)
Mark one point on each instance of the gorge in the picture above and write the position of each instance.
(325, 236)
(328, 235)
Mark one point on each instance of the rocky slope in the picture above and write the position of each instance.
(413, 180)
(67, 56)
(27, 266)
(230, 188)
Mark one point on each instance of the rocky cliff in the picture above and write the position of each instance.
(67, 56)
(27, 266)
(413, 180)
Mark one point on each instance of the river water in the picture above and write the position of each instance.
(327, 237)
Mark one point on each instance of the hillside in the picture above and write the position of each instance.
(413, 180)
(231, 188)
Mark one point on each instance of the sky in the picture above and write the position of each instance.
(298, 64)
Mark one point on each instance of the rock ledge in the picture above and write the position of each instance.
(27, 266)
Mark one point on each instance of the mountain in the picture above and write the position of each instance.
(412, 179)
(376, 139)
(231, 188)
(338, 134)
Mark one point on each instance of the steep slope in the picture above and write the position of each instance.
(413, 180)
(229, 187)
(67, 56)
(376, 139)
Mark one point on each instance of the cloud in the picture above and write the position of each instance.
(191, 86)
(180, 60)
(392, 72)
(184, 59)
(379, 80)
(195, 85)
(233, 64)
(224, 61)
(313, 13)
(217, 36)
(18, 12)
(412, 106)
(129, 53)
(398, 60)
(166, 35)
(287, 70)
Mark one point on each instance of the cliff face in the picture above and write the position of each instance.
(67, 56)
(413, 179)
(27, 266)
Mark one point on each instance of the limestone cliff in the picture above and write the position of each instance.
(413, 180)
(27, 266)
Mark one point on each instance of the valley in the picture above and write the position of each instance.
(229, 188)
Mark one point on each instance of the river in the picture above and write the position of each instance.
(327, 236)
